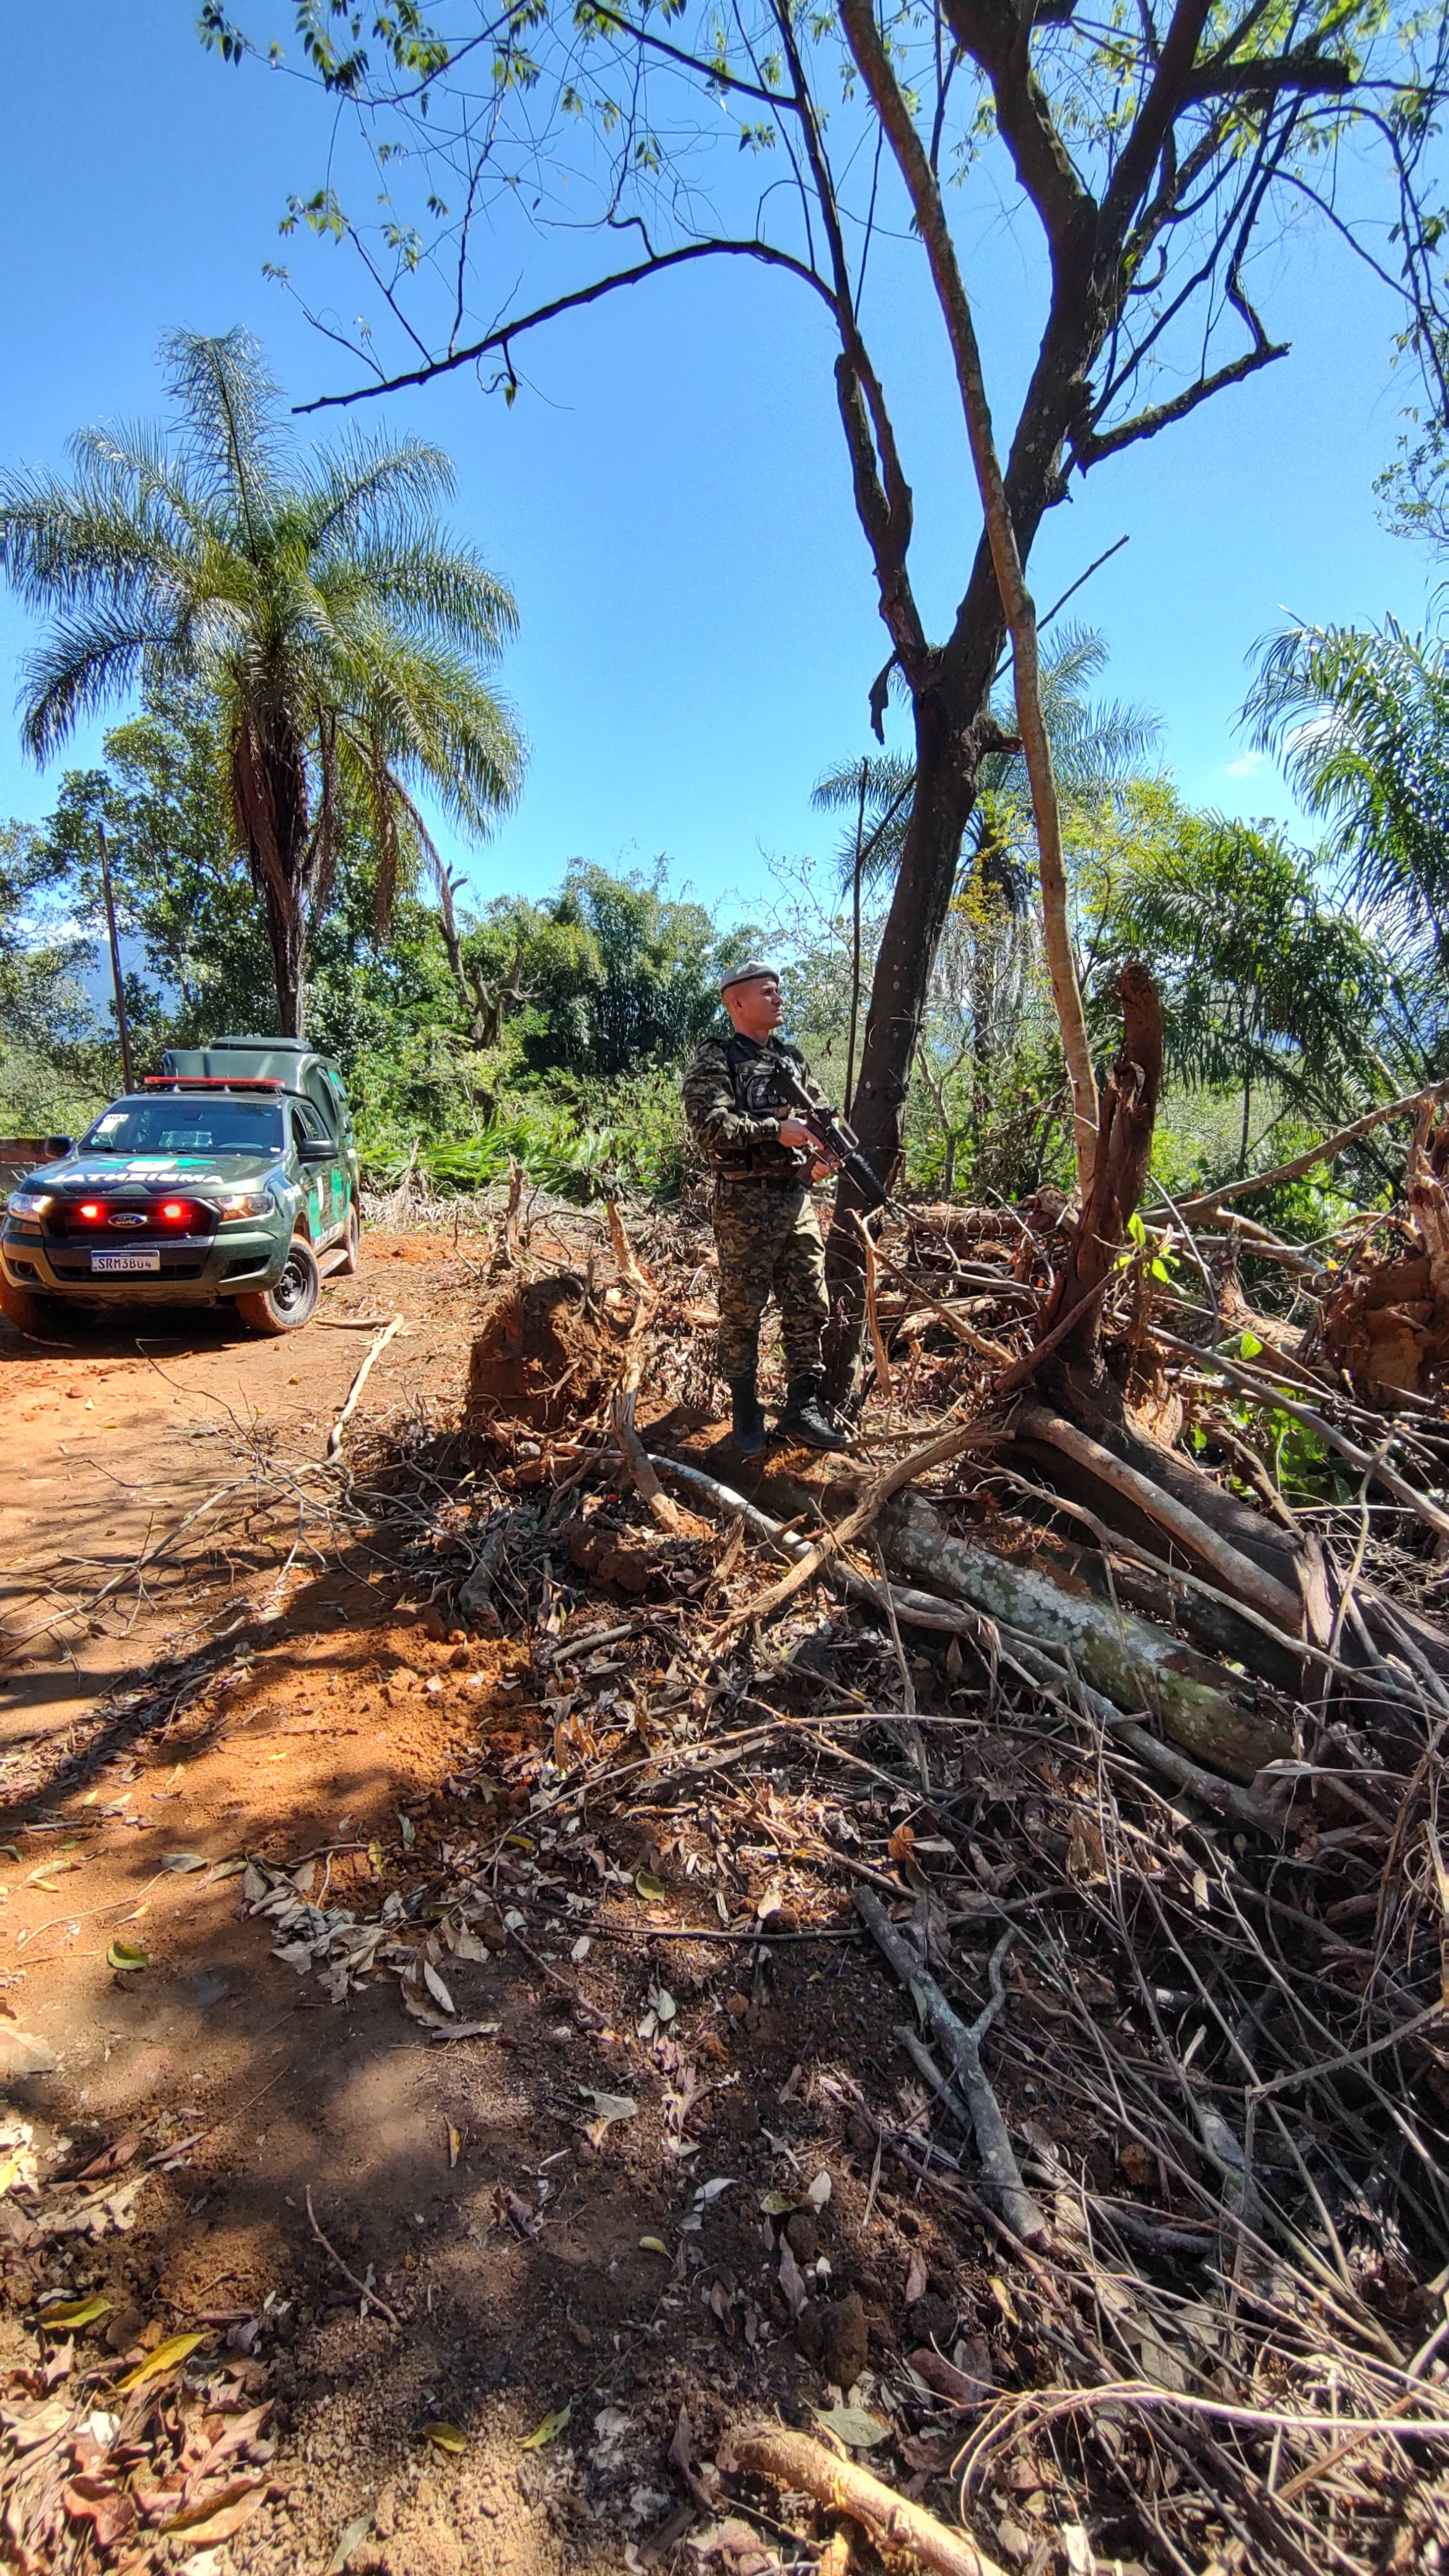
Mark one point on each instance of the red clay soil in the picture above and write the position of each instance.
(534, 2256)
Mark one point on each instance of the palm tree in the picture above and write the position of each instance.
(1360, 721)
(343, 638)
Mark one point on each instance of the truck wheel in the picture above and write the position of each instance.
(31, 1314)
(289, 1304)
(349, 1267)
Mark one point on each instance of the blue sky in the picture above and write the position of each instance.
(668, 497)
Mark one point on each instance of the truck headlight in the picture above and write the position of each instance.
(247, 1203)
(28, 1202)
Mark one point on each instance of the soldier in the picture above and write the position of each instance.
(764, 1225)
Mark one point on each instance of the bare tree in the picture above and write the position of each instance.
(1153, 153)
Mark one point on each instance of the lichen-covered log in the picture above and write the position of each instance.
(1217, 1717)
(1141, 1669)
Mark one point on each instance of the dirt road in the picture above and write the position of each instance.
(277, 1690)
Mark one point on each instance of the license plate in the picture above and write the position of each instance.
(125, 1261)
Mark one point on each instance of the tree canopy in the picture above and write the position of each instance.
(341, 638)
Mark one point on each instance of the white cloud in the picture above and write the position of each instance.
(1248, 766)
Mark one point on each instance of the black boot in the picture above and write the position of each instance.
(749, 1421)
(804, 1418)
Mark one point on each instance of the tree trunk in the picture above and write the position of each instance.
(946, 761)
(269, 791)
(1124, 1150)
(287, 936)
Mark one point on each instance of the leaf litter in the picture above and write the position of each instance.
(1230, 2348)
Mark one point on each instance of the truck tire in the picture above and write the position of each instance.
(40, 1316)
(291, 1302)
(349, 1267)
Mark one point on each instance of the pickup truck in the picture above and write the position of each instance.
(231, 1176)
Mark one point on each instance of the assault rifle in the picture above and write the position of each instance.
(832, 1133)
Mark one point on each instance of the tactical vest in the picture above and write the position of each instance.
(752, 1079)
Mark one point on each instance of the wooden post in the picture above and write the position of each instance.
(122, 1023)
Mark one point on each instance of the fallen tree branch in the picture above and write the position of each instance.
(334, 1436)
(1327, 1150)
(1138, 1667)
(641, 1470)
(934, 1454)
(955, 1323)
(1235, 1572)
(794, 2461)
(978, 2101)
(1366, 1461)
(369, 2298)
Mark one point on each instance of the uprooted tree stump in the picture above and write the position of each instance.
(1386, 1327)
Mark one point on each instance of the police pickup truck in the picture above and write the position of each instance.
(230, 1177)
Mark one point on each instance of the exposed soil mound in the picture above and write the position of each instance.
(545, 1354)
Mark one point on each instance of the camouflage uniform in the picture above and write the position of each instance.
(764, 1225)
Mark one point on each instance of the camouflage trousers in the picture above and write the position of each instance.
(768, 1239)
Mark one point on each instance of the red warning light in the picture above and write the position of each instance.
(176, 1212)
(92, 1209)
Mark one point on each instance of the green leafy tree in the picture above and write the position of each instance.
(1359, 718)
(1148, 157)
(54, 1061)
(1267, 988)
(343, 639)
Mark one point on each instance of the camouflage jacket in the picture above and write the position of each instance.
(729, 1101)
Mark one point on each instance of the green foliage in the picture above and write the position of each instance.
(340, 641)
(1360, 721)
(621, 975)
(1263, 984)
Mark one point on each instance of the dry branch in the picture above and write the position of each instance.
(1326, 1151)
(334, 1436)
(998, 2161)
(794, 2461)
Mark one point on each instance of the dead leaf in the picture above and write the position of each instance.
(852, 2425)
(549, 2430)
(792, 2279)
(167, 2356)
(352, 2537)
(915, 2281)
(447, 2437)
(652, 1889)
(653, 2245)
(114, 2158)
(180, 1863)
(21, 2053)
(127, 1954)
(110, 2512)
(73, 2314)
(819, 2191)
(436, 1987)
(902, 1845)
(610, 2106)
(455, 2143)
(218, 2516)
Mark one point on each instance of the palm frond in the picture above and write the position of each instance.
(85, 663)
(430, 588)
(234, 439)
(1359, 720)
(372, 487)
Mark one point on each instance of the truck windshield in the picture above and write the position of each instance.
(188, 1123)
